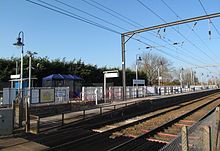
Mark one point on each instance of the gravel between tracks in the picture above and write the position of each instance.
(138, 129)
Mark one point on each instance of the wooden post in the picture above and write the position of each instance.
(38, 125)
(185, 141)
(100, 110)
(207, 138)
(62, 119)
(114, 107)
(84, 114)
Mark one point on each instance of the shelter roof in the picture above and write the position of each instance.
(62, 77)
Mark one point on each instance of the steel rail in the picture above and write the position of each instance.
(99, 136)
(60, 131)
(64, 131)
(132, 144)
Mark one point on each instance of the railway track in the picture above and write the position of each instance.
(76, 130)
(154, 139)
(136, 133)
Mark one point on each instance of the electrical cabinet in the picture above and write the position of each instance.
(6, 121)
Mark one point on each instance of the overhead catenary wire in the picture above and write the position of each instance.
(102, 8)
(74, 16)
(206, 68)
(168, 54)
(172, 27)
(210, 22)
(70, 6)
(209, 19)
(112, 13)
(181, 53)
(120, 18)
(67, 13)
(191, 29)
(146, 7)
(171, 9)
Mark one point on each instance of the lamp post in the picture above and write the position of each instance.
(207, 83)
(212, 80)
(138, 58)
(181, 78)
(194, 77)
(158, 72)
(20, 43)
(191, 77)
(202, 80)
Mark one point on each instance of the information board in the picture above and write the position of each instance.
(46, 95)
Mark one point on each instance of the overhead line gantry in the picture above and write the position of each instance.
(130, 34)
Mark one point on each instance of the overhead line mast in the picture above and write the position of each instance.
(132, 33)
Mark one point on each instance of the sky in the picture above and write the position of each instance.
(56, 35)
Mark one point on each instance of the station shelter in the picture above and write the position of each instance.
(62, 80)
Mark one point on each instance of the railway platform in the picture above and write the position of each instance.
(19, 142)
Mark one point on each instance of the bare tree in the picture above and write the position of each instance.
(151, 64)
(187, 77)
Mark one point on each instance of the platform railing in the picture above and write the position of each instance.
(36, 122)
(203, 135)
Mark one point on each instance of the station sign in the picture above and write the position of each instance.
(16, 76)
(112, 75)
(138, 82)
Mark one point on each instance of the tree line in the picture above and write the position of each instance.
(43, 66)
(148, 69)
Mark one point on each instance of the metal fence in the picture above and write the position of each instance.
(92, 93)
(116, 93)
(38, 95)
(202, 136)
(113, 93)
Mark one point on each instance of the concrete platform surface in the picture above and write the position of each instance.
(19, 144)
